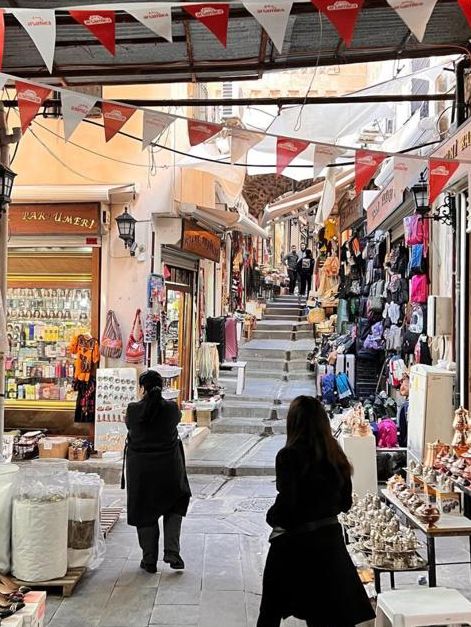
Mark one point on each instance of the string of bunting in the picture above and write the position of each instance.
(77, 106)
(100, 19)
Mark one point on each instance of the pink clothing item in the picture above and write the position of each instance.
(387, 433)
(232, 348)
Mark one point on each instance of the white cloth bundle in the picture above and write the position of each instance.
(83, 516)
(7, 477)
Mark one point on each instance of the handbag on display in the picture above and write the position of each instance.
(135, 349)
(112, 340)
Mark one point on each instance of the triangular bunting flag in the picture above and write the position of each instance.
(287, 149)
(440, 172)
(465, 6)
(406, 172)
(30, 98)
(366, 164)
(199, 132)
(214, 16)
(324, 155)
(158, 19)
(327, 202)
(40, 24)
(241, 142)
(2, 35)
(75, 107)
(415, 14)
(115, 117)
(153, 125)
(273, 18)
(343, 15)
(101, 24)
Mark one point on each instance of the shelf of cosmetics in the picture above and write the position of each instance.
(377, 533)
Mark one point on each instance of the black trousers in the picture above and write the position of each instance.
(306, 280)
(292, 274)
(149, 539)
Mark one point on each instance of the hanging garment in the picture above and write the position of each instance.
(216, 332)
(85, 404)
(232, 348)
(4, 345)
(87, 354)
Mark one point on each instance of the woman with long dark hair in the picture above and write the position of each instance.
(157, 484)
(308, 573)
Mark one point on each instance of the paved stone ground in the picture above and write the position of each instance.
(224, 544)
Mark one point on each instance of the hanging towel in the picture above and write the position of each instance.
(232, 348)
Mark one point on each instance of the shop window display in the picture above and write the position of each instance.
(42, 322)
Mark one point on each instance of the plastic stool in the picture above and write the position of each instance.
(422, 607)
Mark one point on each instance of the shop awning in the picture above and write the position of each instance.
(223, 220)
(292, 203)
(249, 227)
(72, 193)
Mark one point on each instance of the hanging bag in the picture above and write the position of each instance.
(112, 340)
(419, 288)
(135, 349)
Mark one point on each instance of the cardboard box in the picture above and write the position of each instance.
(34, 611)
(55, 448)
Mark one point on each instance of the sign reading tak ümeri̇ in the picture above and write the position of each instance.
(60, 219)
(200, 242)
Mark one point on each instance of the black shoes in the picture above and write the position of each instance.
(149, 568)
(175, 562)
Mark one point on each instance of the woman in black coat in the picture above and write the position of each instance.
(305, 269)
(157, 484)
(309, 573)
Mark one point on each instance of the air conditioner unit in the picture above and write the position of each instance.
(230, 91)
(439, 316)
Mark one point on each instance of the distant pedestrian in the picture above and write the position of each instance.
(157, 484)
(309, 573)
(305, 268)
(302, 251)
(291, 262)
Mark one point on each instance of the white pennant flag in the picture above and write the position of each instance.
(327, 202)
(406, 172)
(241, 142)
(273, 18)
(40, 24)
(157, 18)
(153, 125)
(415, 14)
(323, 155)
(75, 107)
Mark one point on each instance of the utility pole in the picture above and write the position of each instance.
(5, 140)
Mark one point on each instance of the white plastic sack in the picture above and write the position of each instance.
(39, 524)
(7, 478)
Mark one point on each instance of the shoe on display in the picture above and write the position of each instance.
(149, 568)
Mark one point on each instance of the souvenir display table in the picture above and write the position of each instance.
(449, 525)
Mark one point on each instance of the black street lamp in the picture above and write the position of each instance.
(420, 191)
(127, 227)
(7, 177)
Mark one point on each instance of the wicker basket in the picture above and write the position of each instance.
(316, 315)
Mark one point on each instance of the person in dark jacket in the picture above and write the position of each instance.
(305, 269)
(157, 484)
(291, 262)
(308, 572)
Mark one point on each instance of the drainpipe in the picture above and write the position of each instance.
(460, 252)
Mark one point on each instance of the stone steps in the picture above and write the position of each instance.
(288, 311)
(246, 354)
(268, 334)
(294, 317)
(231, 409)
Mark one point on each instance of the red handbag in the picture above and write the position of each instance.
(135, 349)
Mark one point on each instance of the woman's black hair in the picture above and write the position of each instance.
(308, 425)
(308, 253)
(152, 383)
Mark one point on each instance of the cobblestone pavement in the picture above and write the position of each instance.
(224, 544)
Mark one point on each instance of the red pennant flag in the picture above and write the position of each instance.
(343, 14)
(366, 164)
(465, 6)
(2, 35)
(214, 16)
(287, 149)
(30, 98)
(199, 132)
(99, 23)
(115, 117)
(440, 172)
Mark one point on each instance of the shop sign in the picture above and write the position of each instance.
(382, 206)
(55, 219)
(458, 146)
(200, 242)
(350, 212)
